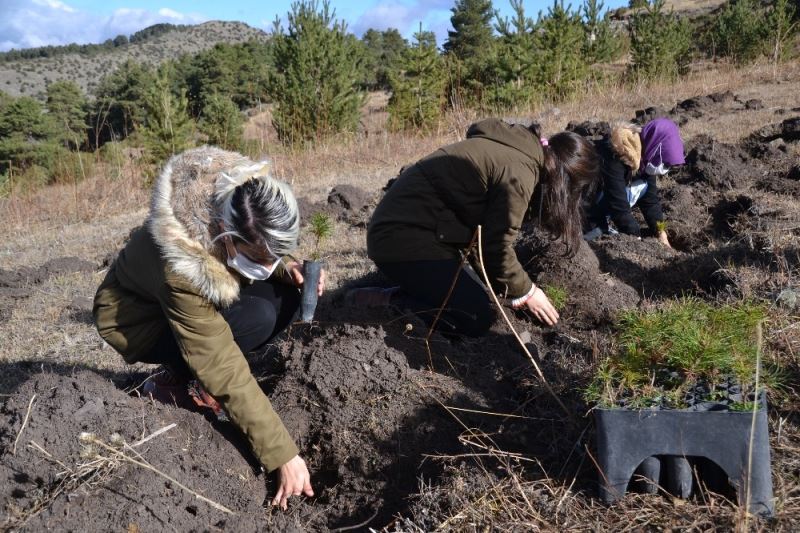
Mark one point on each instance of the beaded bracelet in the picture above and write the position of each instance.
(519, 302)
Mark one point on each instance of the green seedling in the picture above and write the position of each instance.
(661, 225)
(557, 295)
(321, 227)
(661, 355)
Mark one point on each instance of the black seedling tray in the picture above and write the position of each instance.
(663, 444)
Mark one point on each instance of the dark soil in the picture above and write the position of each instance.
(595, 295)
(346, 203)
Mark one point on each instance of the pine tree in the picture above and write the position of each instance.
(559, 40)
(418, 86)
(516, 60)
(384, 50)
(471, 35)
(167, 128)
(316, 78)
(118, 110)
(222, 122)
(471, 48)
(67, 104)
(602, 44)
(660, 43)
(29, 138)
(739, 33)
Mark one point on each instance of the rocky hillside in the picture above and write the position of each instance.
(31, 76)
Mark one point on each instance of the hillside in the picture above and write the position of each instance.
(31, 76)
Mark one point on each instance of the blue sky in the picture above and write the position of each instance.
(29, 23)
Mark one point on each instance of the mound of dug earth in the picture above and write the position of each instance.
(56, 482)
(363, 418)
(594, 296)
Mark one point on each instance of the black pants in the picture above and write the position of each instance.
(263, 310)
(424, 286)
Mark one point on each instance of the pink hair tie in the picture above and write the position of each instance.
(544, 142)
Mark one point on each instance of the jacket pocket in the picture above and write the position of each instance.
(449, 230)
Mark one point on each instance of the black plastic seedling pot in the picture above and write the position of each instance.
(661, 445)
(308, 302)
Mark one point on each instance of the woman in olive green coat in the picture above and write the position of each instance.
(204, 280)
(493, 178)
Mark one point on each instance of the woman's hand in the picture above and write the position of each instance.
(663, 239)
(293, 480)
(296, 271)
(540, 306)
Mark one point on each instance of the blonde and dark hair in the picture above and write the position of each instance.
(259, 211)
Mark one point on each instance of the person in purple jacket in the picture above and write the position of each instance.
(632, 159)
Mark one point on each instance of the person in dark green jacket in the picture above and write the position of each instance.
(493, 178)
(205, 280)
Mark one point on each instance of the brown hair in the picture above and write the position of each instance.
(571, 168)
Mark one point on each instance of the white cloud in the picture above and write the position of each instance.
(55, 4)
(406, 17)
(170, 13)
(27, 24)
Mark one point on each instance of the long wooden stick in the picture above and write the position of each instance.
(514, 331)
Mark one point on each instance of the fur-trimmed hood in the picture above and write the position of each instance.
(627, 144)
(183, 216)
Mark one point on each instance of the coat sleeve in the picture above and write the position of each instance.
(650, 204)
(613, 175)
(208, 347)
(507, 204)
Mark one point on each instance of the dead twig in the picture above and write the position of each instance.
(91, 439)
(360, 524)
(153, 435)
(24, 423)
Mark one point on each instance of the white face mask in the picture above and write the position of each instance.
(660, 170)
(652, 170)
(249, 269)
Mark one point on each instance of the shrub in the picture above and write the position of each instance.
(72, 167)
(113, 155)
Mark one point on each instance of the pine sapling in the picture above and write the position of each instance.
(321, 228)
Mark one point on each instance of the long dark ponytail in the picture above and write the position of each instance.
(571, 168)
